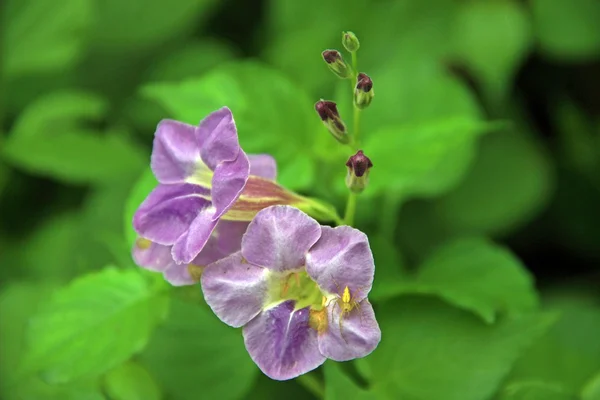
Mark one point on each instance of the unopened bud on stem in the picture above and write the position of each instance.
(336, 63)
(350, 41)
(363, 93)
(330, 116)
(357, 178)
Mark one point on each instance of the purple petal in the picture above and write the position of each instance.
(229, 236)
(179, 275)
(152, 256)
(360, 333)
(263, 165)
(157, 257)
(168, 211)
(176, 151)
(235, 290)
(281, 342)
(189, 245)
(217, 137)
(228, 182)
(279, 238)
(342, 257)
(224, 240)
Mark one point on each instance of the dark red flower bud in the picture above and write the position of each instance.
(336, 63)
(363, 93)
(330, 116)
(357, 178)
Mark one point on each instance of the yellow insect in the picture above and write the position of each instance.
(346, 302)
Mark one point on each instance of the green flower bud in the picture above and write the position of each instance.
(350, 41)
(330, 116)
(357, 178)
(363, 93)
(336, 63)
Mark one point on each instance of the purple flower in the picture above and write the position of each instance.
(224, 240)
(299, 290)
(204, 177)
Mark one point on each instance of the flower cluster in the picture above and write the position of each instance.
(299, 290)
(218, 216)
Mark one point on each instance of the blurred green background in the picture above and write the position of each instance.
(483, 210)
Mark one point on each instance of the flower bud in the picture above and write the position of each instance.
(336, 63)
(363, 93)
(330, 116)
(357, 178)
(350, 41)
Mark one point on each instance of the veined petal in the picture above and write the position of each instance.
(263, 165)
(192, 241)
(359, 335)
(179, 275)
(228, 182)
(235, 289)
(229, 235)
(279, 238)
(217, 138)
(342, 258)
(175, 152)
(168, 211)
(152, 256)
(157, 257)
(224, 240)
(280, 341)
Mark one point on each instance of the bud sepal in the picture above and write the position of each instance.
(350, 41)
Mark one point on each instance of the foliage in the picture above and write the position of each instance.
(485, 139)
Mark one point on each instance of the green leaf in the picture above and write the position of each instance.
(93, 325)
(407, 156)
(389, 269)
(265, 388)
(493, 38)
(40, 37)
(67, 245)
(535, 390)
(137, 25)
(430, 350)
(508, 184)
(18, 302)
(476, 275)
(192, 59)
(50, 139)
(35, 389)
(591, 390)
(569, 353)
(567, 29)
(271, 113)
(131, 381)
(340, 387)
(195, 355)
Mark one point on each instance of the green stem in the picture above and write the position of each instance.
(354, 143)
(356, 124)
(312, 384)
(350, 209)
